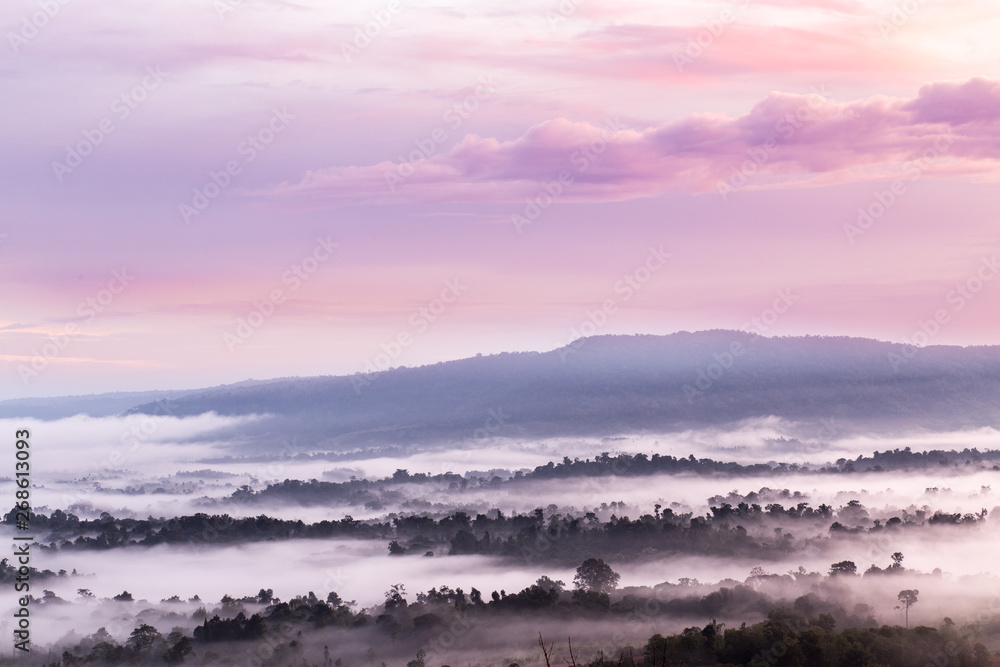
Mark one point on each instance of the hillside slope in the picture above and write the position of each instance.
(612, 384)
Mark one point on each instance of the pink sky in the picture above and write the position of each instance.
(530, 153)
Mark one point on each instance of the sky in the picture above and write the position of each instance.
(201, 192)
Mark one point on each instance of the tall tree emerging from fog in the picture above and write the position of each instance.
(844, 568)
(596, 576)
(908, 598)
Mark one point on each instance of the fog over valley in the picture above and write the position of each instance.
(421, 537)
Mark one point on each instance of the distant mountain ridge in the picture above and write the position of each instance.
(607, 385)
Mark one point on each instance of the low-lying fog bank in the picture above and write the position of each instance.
(644, 603)
(140, 466)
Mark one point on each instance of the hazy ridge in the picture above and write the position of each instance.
(612, 384)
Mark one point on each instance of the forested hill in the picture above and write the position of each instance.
(613, 384)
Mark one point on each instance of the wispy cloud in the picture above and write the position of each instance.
(809, 140)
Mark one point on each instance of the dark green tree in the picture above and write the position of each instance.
(395, 597)
(143, 638)
(844, 567)
(596, 576)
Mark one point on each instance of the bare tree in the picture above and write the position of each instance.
(545, 651)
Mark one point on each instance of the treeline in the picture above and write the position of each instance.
(791, 639)
(378, 493)
(68, 531)
(746, 528)
(799, 633)
(356, 492)
(641, 464)
(411, 622)
(9, 573)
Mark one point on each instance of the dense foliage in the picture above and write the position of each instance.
(755, 524)
(810, 632)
